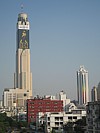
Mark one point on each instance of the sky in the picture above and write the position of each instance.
(64, 34)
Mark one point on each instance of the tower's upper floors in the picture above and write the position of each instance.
(23, 31)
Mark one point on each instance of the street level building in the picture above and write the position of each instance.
(82, 86)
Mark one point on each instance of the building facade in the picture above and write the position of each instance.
(56, 120)
(14, 97)
(94, 94)
(93, 117)
(82, 86)
(23, 75)
(66, 101)
(98, 92)
(42, 105)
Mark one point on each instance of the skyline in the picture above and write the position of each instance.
(63, 36)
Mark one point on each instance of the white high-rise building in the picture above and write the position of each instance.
(23, 75)
(82, 86)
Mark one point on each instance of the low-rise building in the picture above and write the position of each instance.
(42, 105)
(56, 120)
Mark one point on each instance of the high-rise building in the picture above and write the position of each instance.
(94, 94)
(98, 92)
(23, 75)
(82, 86)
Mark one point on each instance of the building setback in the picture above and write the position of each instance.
(42, 105)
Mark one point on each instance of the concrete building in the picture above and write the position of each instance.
(15, 97)
(42, 105)
(56, 120)
(23, 75)
(67, 104)
(1, 104)
(82, 86)
(94, 94)
(66, 101)
(98, 92)
(93, 117)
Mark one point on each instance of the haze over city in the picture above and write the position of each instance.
(63, 35)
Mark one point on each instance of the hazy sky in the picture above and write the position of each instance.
(64, 34)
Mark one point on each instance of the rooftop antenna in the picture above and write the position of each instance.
(22, 7)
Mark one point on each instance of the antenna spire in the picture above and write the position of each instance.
(22, 7)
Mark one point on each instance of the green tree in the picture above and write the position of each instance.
(2, 127)
(79, 125)
(3, 123)
(53, 131)
(7, 122)
(2, 117)
(69, 127)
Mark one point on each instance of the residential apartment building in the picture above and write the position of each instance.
(56, 120)
(42, 105)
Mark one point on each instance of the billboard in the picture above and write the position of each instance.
(23, 39)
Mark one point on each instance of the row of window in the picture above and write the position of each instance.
(61, 118)
(32, 103)
(56, 123)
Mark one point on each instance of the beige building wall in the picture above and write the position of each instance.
(15, 97)
(24, 77)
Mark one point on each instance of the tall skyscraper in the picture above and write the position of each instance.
(23, 75)
(98, 92)
(82, 86)
(94, 94)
